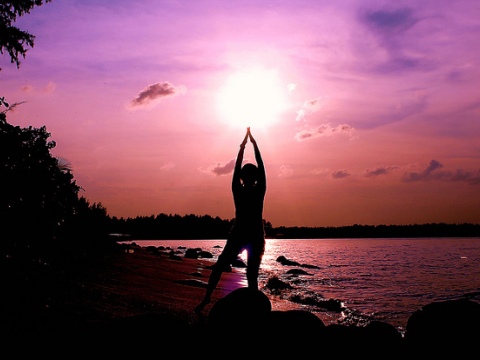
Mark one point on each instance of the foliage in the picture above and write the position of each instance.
(4, 103)
(379, 231)
(163, 226)
(36, 195)
(40, 210)
(12, 39)
(89, 226)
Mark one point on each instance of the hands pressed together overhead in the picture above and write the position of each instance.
(247, 136)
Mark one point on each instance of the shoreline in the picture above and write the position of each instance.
(188, 279)
(163, 283)
(135, 295)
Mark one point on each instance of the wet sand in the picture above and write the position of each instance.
(138, 282)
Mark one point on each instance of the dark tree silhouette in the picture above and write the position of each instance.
(12, 39)
(89, 225)
(37, 194)
(163, 226)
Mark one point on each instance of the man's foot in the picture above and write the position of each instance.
(199, 307)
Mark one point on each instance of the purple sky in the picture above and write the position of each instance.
(366, 112)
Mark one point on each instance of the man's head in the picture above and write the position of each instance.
(249, 174)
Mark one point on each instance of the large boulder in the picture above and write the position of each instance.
(242, 309)
(447, 326)
(294, 325)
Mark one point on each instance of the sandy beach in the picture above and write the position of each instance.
(138, 281)
(44, 299)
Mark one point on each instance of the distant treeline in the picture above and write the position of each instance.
(191, 226)
(379, 231)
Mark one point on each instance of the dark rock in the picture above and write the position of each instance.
(191, 254)
(242, 309)
(297, 272)
(379, 336)
(377, 339)
(275, 284)
(238, 263)
(205, 254)
(313, 300)
(284, 261)
(446, 326)
(152, 249)
(308, 266)
(341, 334)
(382, 331)
(294, 324)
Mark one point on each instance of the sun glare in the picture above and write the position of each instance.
(253, 98)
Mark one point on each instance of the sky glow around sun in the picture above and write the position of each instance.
(365, 112)
(253, 98)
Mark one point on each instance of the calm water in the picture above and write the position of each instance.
(381, 279)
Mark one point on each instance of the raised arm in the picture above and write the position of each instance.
(262, 179)
(238, 162)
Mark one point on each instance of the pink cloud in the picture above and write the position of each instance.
(219, 168)
(154, 92)
(325, 130)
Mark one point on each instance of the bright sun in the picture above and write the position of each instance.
(253, 98)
